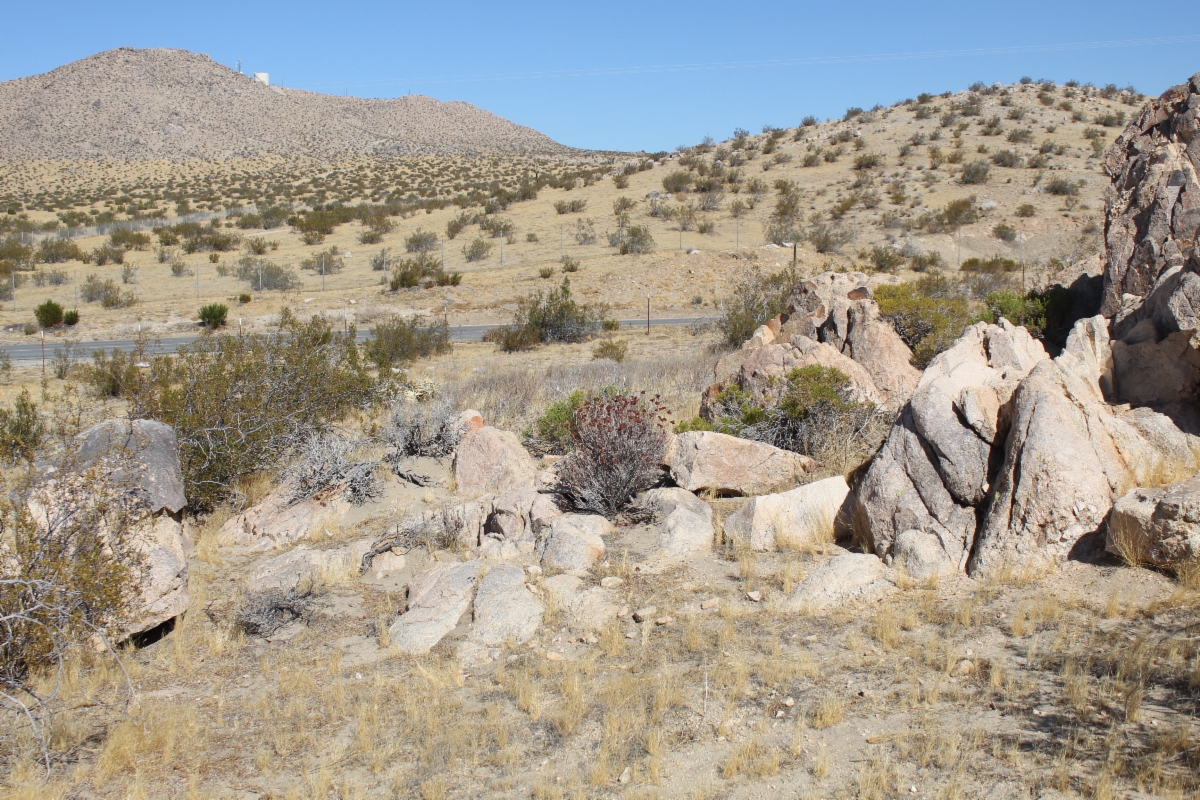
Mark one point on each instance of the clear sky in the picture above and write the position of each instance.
(634, 75)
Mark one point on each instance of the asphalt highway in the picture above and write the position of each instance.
(32, 351)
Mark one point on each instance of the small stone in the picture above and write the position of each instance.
(611, 582)
(534, 570)
(623, 613)
(810, 638)
(554, 656)
(643, 614)
(712, 602)
(962, 669)
(630, 635)
(663, 621)
(754, 597)
(789, 702)
(626, 775)
(592, 640)
(780, 714)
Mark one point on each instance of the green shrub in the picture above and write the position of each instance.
(130, 240)
(397, 340)
(1026, 210)
(49, 314)
(326, 262)
(929, 314)
(754, 299)
(885, 259)
(636, 240)
(477, 250)
(1046, 315)
(993, 264)
(106, 254)
(554, 430)
(409, 273)
(546, 272)
(570, 264)
(868, 161)
(544, 318)
(71, 318)
(213, 315)
(1005, 233)
(610, 349)
(1006, 158)
(677, 181)
(975, 172)
(53, 250)
(1062, 187)
(420, 241)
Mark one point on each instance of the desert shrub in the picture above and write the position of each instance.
(420, 241)
(267, 218)
(370, 236)
(929, 314)
(953, 216)
(618, 445)
(49, 314)
(924, 262)
(546, 272)
(975, 172)
(570, 206)
(544, 318)
(1026, 210)
(71, 318)
(1019, 135)
(677, 181)
(1006, 158)
(107, 292)
(478, 250)
(610, 349)
(105, 254)
(636, 239)
(570, 264)
(992, 264)
(868, 161)
(213, 315)
(69, 575)
(826, 238)
(813, 411)
(455, 226)
(53, 250)
(264, 612)
(1062, 187)
(397, 340)
(1005, 233)
(1046, 315)
(432, 429)
(1110, 119)
(885, 259)
(755, 299)
(130, 240)
(328, 460)
(554, 431)
(379, 261)
(241, 403)
(22, 430)
(585, 232)
(409, 273)
(325, 262)
(621, 181)
(267, 275)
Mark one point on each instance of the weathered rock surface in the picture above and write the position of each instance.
(164, 585)
(685, 521)
(575, 542)
(153, 451)
(585, 609)
(437, 599)
(808, 515)
(1153, 214)
(1159, 526)
(934, 467)
(504, 608)
(308, 565)
(275, 521)
(489, 460)
(704, 460)
(844, 579)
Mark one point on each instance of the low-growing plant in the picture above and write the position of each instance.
(610, 349)
(49, 314)
(545, 318)
(400, 340)
(1005, 232)
(975, 172)
(929, 314)
(478, 250)
(71, 318)
(753, 300)
(213, 315)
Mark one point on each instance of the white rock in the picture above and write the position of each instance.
(575, 541)
(504, 608)
(844, 579)
(805, 516)
(437, 598)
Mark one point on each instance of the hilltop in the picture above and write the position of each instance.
(172, 105)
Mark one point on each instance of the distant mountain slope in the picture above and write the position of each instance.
(140, 105)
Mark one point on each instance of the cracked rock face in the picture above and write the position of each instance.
(1152, 211)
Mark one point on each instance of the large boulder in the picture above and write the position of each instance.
(1159, 526)
(806, 516)
(163, 590)
(843, 580)
(727, 465)
(153, 452)
(505, 608)
(437, 599)
(575, 542)
(489, 460)
(933, 469)
(308, 565)
(685, 521)
(1153, 214)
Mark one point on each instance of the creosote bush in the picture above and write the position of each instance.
(619, 442)
(543, 318)
(929, 314)
(400, 340)
(754, 300)
(49, 314)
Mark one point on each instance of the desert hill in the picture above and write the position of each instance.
(162, 104)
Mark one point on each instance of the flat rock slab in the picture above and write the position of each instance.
(304, 564)
(844, 579)
(437, 599)
(493, 461)
(802, 517)
(575, 542)
(153, 450)
(707, 461)
(685, 526)
(505, 608)
(585, 609)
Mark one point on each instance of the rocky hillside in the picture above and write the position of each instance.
(139, 105)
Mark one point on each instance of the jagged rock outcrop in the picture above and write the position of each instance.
(1159, 526)
(833, 321)
(493, 461)
(437, 598)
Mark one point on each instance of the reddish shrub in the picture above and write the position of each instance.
(620, 441)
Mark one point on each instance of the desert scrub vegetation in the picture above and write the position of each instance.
(399, 340)
(617, 447)
(813, 411)
(213, 315)
(546, 317)
(754, 299)
(239, 403)
(929, 314)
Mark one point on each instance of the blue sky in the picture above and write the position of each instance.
(632, 75)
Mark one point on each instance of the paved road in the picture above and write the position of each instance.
(461, 333)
